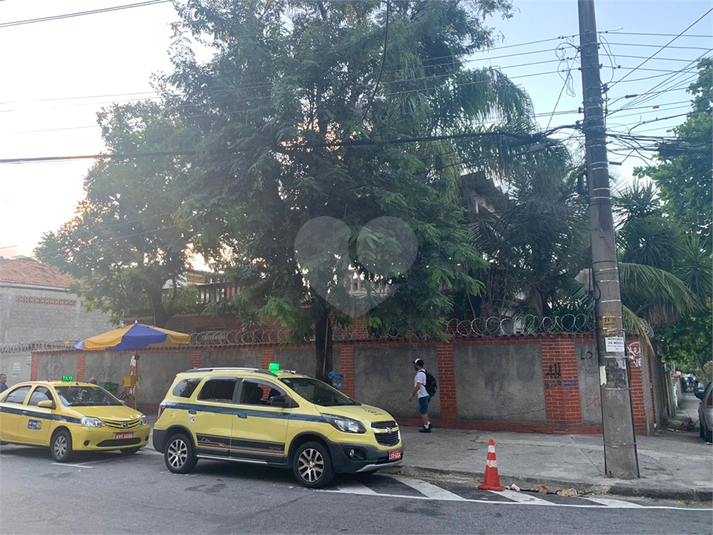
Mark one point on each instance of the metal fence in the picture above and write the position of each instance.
(491, 326)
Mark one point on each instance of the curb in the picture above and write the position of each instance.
(699, 494)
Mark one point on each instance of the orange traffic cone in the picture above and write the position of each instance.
(492, 479)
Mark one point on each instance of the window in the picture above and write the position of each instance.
(18, 395)
(218, 390)
(256, 392)
(84, 396)
(317, 392)
(185, 388)
(41, 393)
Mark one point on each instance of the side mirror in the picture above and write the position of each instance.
(279, 401)
(46, 404)
(699, 394)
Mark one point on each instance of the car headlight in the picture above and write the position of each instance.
(345, 424)
(144, 420)
(88, 421)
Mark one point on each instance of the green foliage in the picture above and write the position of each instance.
(126, 242)
(688, 342)
(290, 74)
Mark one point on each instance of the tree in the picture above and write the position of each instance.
(126, 242)
(303, 113)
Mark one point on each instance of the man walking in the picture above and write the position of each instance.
(419, 389)
(3, 382)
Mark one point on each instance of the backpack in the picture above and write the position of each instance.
(431, 384)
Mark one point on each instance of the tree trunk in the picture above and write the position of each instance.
(160, 315)
(323, 345)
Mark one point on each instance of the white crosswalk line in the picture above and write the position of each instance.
(354, 487)
(72, 465)
(429, 490)
(522, 497)
(618, 504)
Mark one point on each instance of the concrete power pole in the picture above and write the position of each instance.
(620, 459)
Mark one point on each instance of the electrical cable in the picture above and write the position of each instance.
(383, 60)
(82, 13)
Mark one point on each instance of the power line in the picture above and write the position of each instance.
(383, 59)
(663, 47)
(82, 13)
(616, 32)
(657, 46)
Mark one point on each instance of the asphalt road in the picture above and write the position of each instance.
(108, 493)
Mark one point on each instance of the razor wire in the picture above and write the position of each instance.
(454, 328)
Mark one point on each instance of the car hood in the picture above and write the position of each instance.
(363, 413)
(112, 412)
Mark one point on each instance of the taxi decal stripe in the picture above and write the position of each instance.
(23, 410)
(246, 412)
(214, 441)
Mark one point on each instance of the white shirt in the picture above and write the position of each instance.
(420, 378)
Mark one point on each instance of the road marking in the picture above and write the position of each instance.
(431, 491)
(354, 487)
(522, 497)
(617, 504)
(72, 465)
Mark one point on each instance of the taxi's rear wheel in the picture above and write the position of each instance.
(179, 455)
(61, 446)
(312, 465)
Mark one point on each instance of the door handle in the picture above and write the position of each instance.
(241, 415)
(191, 411)
(24, 413)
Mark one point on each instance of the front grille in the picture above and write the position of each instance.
(122, 424)
(119, 442)
(384, 425)
(387, 439)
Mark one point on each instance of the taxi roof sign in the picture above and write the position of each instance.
(67, 378)
(274, 366)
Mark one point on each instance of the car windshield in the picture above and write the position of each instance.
(317, 392)
(85, 396)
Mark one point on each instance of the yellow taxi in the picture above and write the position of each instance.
(69, 416)
(279, 418)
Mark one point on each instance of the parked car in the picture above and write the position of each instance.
(69, 417)
(705, 412)
(278, 418)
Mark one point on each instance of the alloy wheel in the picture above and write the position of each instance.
(310, 465)
(177, 453)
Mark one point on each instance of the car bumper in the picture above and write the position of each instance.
(158, 438)
(365, 458)
(84, 438)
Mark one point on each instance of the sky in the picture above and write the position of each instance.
(57, 75)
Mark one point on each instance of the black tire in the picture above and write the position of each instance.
(709, 435)
(312, 465)
(129, 451)
(701, 429)
(179, 455)
(61, 446)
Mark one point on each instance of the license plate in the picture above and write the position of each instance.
(121, 436)
(394, 455)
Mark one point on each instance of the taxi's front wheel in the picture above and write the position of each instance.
(61, 446)
(312, 465)
(179, 455)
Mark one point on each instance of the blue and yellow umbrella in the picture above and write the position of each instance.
(136, 336)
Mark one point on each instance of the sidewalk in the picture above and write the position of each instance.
(673, 465)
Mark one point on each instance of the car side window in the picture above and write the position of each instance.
(18, 395)
(219, 389)
(41, 393)
(185, 388)
(257, 392)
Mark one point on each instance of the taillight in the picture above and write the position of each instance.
(160, 408)
(709, 403)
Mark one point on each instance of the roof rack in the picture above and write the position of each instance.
(219, 368)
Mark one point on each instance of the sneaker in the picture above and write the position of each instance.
(430, 426)
(424, 430)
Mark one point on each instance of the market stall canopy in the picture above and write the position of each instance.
(136, 336)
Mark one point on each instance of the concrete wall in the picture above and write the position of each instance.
(52, 367)
(500, 383)
(158, 370)
(28, 313)
(589, 394)
(107, 366)
(16, 366)
(384, 377)
(302, 360)
(240, 358)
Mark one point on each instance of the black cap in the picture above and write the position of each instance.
(418, 362)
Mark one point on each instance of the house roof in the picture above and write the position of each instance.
(24, 270)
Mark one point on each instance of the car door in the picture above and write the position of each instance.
(211, 419)
(11, 413)
(36, 422)
(260, 430)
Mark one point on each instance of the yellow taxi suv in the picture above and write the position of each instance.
(278, 418)
(69, 417)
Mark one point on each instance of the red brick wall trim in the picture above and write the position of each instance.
(34, 366)
(80, 367)
(268, 355)
(516, 427)
(347, 369)
(561, 379)
(446, 382)
(196, 358)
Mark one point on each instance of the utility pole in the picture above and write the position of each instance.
(620, 458)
